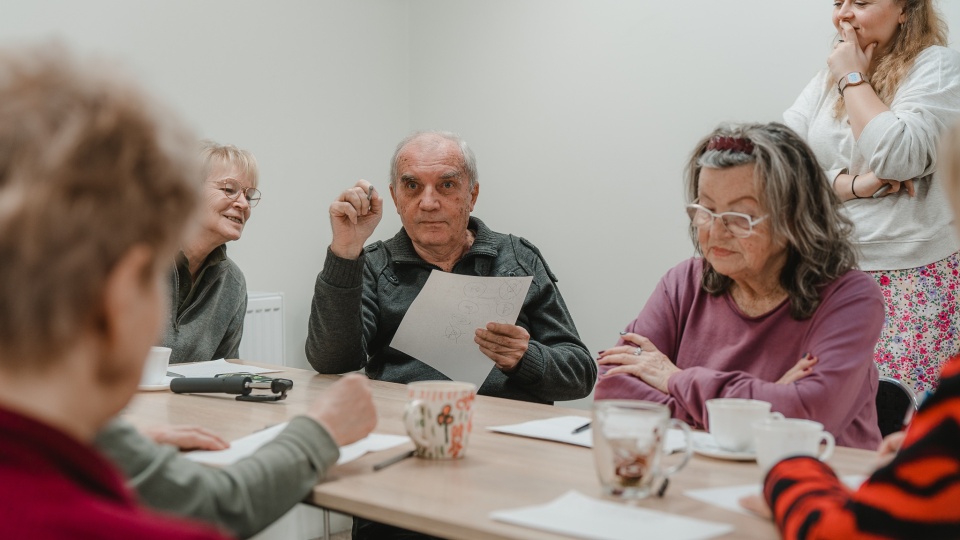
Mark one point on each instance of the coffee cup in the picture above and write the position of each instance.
(730, 421)
(776, 439)
(628, 446)
(439, 417)
(155, 367)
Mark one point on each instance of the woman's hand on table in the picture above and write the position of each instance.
(757, 505)
(186, 437)
(642, 360)
(346, 409)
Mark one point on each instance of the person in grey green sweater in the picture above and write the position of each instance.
(208, 293)
(362, 294)
(246, 497)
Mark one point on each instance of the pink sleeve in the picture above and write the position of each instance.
(842, 334)
(660, 322)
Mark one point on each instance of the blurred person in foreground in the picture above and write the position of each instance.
(95, 190)
(915, 494)
(775, 308)
(96, 187)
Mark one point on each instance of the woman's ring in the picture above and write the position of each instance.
(638, 351)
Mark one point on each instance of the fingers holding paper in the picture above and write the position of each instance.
(505, 344)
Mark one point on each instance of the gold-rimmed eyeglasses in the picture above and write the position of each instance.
(737, 224)
(232, 189)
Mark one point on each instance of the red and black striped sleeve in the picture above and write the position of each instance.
(917, 495)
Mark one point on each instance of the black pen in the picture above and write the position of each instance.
(581, 429)
(395, 459)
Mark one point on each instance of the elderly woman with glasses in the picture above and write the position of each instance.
(775, 292)
(208, 290)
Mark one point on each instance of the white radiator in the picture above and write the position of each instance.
(263, 328)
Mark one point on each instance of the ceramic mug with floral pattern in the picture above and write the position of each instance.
(439, 417)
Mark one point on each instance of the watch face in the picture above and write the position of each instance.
(854, 78)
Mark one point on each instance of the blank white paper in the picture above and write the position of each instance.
(579, 516)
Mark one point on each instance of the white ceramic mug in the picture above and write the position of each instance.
(439, 417)
(155, 367)
(780, 438)
(628, 441)
(730, 421)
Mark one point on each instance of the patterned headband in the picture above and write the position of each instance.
(730, 144)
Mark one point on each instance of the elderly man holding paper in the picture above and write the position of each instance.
(363, 293)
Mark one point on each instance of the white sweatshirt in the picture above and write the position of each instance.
(897, 231)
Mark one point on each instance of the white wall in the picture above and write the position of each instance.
(581, 112)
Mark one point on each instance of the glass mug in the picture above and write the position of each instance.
(628, 441)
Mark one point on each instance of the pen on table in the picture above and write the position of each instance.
(663, 487)
(395, 459)
(581, 429)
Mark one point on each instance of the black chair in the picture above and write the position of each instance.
(894, 400)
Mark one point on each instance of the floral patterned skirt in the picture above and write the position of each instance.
(921, 323)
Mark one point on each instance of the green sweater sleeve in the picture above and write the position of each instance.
(244, 497)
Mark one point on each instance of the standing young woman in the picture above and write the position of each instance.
(873, 118)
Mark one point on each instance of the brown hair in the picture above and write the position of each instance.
(922, 28)
(793, 189)
(89, 168)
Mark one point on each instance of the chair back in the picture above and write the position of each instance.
(894, 400)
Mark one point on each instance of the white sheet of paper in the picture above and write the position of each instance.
(579, 516)
(561, 428)
(438, 327)
(214, 368)
(728, 497)
(245, 446)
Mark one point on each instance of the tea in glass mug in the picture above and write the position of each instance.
(628, 446)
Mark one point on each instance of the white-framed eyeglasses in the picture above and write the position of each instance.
(739, 225)
(232, 190)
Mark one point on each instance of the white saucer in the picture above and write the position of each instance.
(704, 445)
(165, 385)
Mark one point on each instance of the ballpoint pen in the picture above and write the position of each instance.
(581, 429)
(395, 459)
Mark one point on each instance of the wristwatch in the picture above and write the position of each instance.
(853, 78)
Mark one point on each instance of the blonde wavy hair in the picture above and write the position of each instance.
(922, 28)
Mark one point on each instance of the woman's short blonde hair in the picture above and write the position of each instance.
(213, 154)
(89, 168)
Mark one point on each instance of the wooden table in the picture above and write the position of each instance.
(453, 499)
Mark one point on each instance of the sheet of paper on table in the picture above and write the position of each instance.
(438, 327)
(245, 446)
(728, 497)
(214, 368)
(560, 429)
(579, 516)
